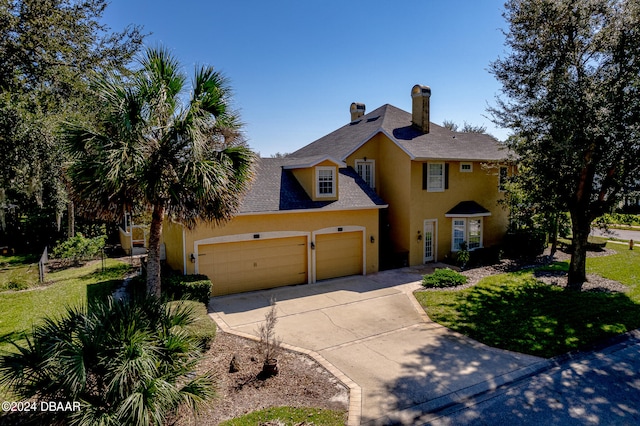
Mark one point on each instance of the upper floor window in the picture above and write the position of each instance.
(435, 177)
(325, 181)
(502, 178)
(466, 167)
(366, 170)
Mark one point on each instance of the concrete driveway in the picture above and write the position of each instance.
(371, 333)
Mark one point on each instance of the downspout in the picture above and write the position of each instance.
(184, 251)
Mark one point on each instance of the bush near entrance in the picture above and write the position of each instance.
(443, 278)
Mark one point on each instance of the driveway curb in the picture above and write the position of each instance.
(355, 391)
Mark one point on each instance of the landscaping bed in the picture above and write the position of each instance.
(523, 306)
(301, 382)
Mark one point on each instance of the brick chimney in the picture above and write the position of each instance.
(357, 110)
(420, 107)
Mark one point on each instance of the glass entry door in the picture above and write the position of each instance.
(429, 240)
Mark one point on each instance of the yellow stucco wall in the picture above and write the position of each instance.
(398, 181)
(480, 185)
(392, 177)
(172, 238)
(307, 221)
(307, 178)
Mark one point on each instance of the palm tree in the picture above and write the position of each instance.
(123, 361)
(153, 152)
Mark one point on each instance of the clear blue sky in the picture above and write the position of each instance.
(296, 65)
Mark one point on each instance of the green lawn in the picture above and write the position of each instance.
(514, 311)
(290, 416)
(18, 272)
(70, 287)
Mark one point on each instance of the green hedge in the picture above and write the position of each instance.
(179, 287)
(524, 244)
(190, 287)
(443, 278)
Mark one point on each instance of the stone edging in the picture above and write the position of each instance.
(355, 391)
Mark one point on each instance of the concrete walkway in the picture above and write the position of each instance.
(372, 334)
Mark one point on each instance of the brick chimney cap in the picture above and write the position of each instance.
(420, 90)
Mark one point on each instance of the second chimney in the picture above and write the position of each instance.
(420, 107)
(357, 110)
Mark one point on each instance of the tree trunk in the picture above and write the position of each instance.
(581, 227)
(153, 260)
(71, 220)
(554, 234)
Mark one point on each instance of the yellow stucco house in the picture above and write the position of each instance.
(387, 188)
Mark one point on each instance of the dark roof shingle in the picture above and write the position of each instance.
(440, 143)
(276, 189)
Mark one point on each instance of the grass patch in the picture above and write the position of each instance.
(18, 272)
(624, 267)
(516, 312)
(291, 416)
(70, 287)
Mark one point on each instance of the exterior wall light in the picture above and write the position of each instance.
(313, 246)
(419, 236)
(192, 258)
(372, 239)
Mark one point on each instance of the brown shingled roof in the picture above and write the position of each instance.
(275, 189)
(440, 143)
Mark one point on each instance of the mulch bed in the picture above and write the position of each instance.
(300, 382)
(557, 278)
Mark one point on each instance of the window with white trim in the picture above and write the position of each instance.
(366, 170)
(475, 233)
(466, 230)
(325, 181)
(435, 177)
(466, 167)
(459, 232)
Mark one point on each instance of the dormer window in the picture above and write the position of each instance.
(325, 181)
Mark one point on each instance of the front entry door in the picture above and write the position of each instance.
(429, 240)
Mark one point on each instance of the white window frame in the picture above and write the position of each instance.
(333, 181)
(429, 178)
(372, 164)
(479, 219)
(469, 170)
(465, 236)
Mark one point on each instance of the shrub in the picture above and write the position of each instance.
(79, 248)
(203, 329)
(619, 219)
(524, 243)
(442, 278)
(485, 256)
(124, 361)
(190, 287)
(462, 256)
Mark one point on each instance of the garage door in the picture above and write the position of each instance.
(254, 265)
(338, 255)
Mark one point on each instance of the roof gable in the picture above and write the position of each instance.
(275, 189)
(440, 143)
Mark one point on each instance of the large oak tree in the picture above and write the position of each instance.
(571, 94)
(48, 49)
